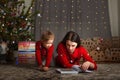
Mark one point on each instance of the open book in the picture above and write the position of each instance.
(74, 70)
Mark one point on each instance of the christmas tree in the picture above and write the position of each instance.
(16, 22)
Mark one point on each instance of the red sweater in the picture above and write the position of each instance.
(42, 52)
(67, 60)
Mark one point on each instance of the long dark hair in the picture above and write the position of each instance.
(72, 36)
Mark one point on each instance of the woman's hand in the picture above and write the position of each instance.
(85, 65)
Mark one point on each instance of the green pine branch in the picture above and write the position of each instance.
(15, 25)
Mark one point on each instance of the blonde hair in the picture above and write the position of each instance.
(47, 35)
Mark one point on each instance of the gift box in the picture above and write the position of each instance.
(26, 53)
(26, 57)
(26, 46)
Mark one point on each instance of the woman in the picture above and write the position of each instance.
(70, 52)
(44, 50)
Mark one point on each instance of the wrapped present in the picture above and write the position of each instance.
(26, 53)
(26, 57)
(26, 46)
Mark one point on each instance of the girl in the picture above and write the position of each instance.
(70, 52)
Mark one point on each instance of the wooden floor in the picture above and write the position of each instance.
(105, 71)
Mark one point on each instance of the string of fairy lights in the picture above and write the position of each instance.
(78, 15)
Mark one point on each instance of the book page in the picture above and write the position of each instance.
(77, 68)
(66, 71)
